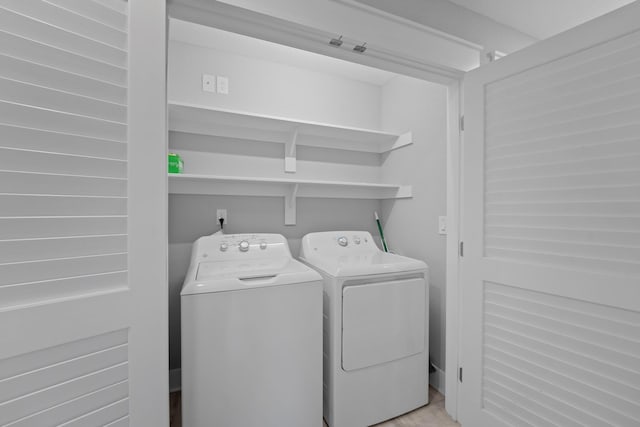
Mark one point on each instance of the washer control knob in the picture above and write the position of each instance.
(223, 247)
(244, 246)
(356, 240)
(263, 245)
(342, 241)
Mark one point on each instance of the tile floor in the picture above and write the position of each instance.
(431, 415)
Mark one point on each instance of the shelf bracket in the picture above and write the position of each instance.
(290, 205)
(402, 141)
(290, 153)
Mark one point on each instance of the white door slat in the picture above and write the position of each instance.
(585, 138)
(497, 378)
(124, 421)
(39, 53)
(550, 326)
(46, 398)
(43, 32)
(64, 220)
(590, 250)
(623, 377)
(28, 272)
(111, 16)
(518, 395)
(52, 375)
(585, 236)
(43, 183)
(62, 143)
(39, 359)
(73, 22)
(605, 180)
(81, 405)
(605, 56)
(27, 205)
(37, 96)
(66, 247)
(549, 320)
(564, 112)
(52, 78)
(46, 290)
(588, 399)
(509, 400)
(557, 154)
(585, 222)
(120, 6)
(606, 120)
(614, 162)
(600, 84)
(102, 416)
(501, 410)
(575, 208)
(31, 228)
(37, 118)
(626, 193)
(620, 268)
(53, 163)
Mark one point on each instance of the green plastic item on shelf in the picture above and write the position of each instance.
(175, 163)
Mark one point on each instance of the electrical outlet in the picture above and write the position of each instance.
(209, 83)
(223, 85)
(222, 213)
(442, 225)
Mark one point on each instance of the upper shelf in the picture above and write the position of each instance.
(231, 124)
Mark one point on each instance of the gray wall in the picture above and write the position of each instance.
(411, 226)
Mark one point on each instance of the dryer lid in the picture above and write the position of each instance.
(366, 264)
(352, 253)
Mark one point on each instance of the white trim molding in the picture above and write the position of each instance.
(266, 27)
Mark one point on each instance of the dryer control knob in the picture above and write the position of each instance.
(342, 241)
(244, 246)
(356, 240)
(223, 247)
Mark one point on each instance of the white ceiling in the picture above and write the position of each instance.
(213, 38)
(541, 18)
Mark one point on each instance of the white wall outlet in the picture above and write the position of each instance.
(223, 85)
(208, 83)
(442, 225)
(221, 213)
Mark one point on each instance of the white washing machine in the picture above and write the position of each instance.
(376, 323)
(251, 335)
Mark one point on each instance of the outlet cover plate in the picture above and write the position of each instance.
(442, 225)
(222, 83)
(209, 83)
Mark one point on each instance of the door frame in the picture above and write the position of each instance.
(249, 23)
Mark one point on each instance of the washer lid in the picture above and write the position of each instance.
(221, 276)
(365, 264)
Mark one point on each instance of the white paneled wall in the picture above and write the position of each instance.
(63, 117)
(563, 162)
(63, 208)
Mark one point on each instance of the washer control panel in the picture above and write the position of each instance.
(240, 246)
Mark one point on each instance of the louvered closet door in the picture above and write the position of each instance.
(550, 307)
(69, 337)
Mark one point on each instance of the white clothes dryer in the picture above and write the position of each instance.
(376, 323)
(251, 335)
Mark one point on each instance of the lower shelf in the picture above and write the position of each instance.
(290, 189)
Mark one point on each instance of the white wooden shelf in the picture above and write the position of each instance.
(288, 188)
(231, 124)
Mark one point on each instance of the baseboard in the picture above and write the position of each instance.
(437, 380)
(175, 376)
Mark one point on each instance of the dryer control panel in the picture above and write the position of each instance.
(351, 242)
